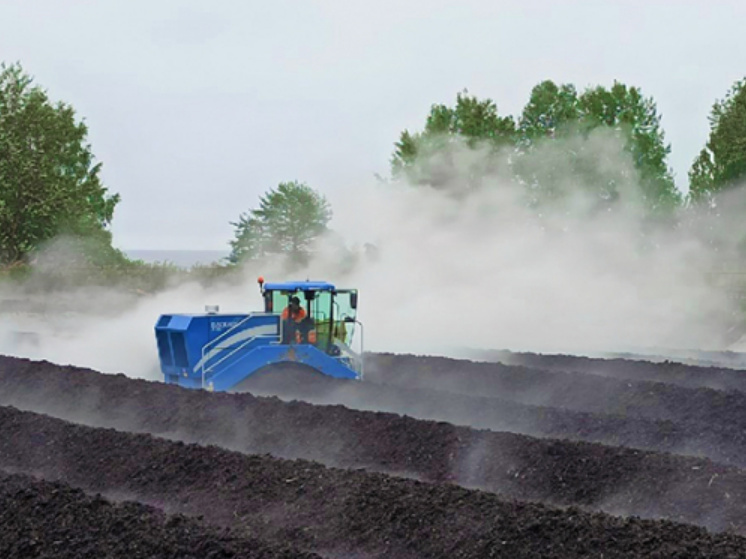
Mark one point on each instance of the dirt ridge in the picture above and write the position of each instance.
(333, 510)
(617, 479)
(52, 519)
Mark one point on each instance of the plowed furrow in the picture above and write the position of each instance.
(729, 376)
(335, 511)
(52, 519)
(576, 391)
(563, 472)
(719, 441)
(25, 384)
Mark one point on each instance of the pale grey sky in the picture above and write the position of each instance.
(197, 108)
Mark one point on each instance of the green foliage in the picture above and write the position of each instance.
(721, 164)
(54, 210)
(287, 222)
(549, 111)
(51, 273)
(49, 183)
(619, 116)
(540, 164)
(430, 157)
(560, 143)
(624, 109)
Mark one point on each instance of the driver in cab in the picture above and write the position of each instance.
(296, 326)
(294, 311)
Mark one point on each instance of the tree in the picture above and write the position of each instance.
(289, 219)
(605, 141)
(721, 165)
(619, 116)
(542, 166)
(49, 183)
(549, 111)
(429, 157)
(636, 117)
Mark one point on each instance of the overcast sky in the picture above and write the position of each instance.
(197, 108)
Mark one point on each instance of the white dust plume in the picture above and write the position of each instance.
(462, 266)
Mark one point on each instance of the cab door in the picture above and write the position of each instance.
(321, 313)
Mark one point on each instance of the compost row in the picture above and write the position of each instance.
(619, 480)
(719, 370)
(718, 434)
(576, 391)
(717, 431)
(52, 519)
(331, 511)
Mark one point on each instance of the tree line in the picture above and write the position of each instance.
(50, 184)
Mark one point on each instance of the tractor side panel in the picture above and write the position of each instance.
(268, 354)
(181, 339)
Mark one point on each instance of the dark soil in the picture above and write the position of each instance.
(719, 433)
(424, 393)
(654, 415)
(712, 375)
(577, 391)
(615, 479)
(336, 512)
(51, 519)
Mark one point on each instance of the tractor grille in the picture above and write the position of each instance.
(164, 349)
(180, 353)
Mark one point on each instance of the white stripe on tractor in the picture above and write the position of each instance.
(264, 330)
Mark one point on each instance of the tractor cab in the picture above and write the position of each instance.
(312, 313)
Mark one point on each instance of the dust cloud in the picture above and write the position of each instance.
(480, 269)
(466, 265)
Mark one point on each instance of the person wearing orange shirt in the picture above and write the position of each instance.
(294, 310)
(296, 325)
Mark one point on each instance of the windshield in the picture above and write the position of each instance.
(329, 312)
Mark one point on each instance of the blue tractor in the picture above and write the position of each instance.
(221, 352)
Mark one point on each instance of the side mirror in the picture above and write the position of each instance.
(353, 300)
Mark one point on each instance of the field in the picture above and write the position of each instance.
(533, 456)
